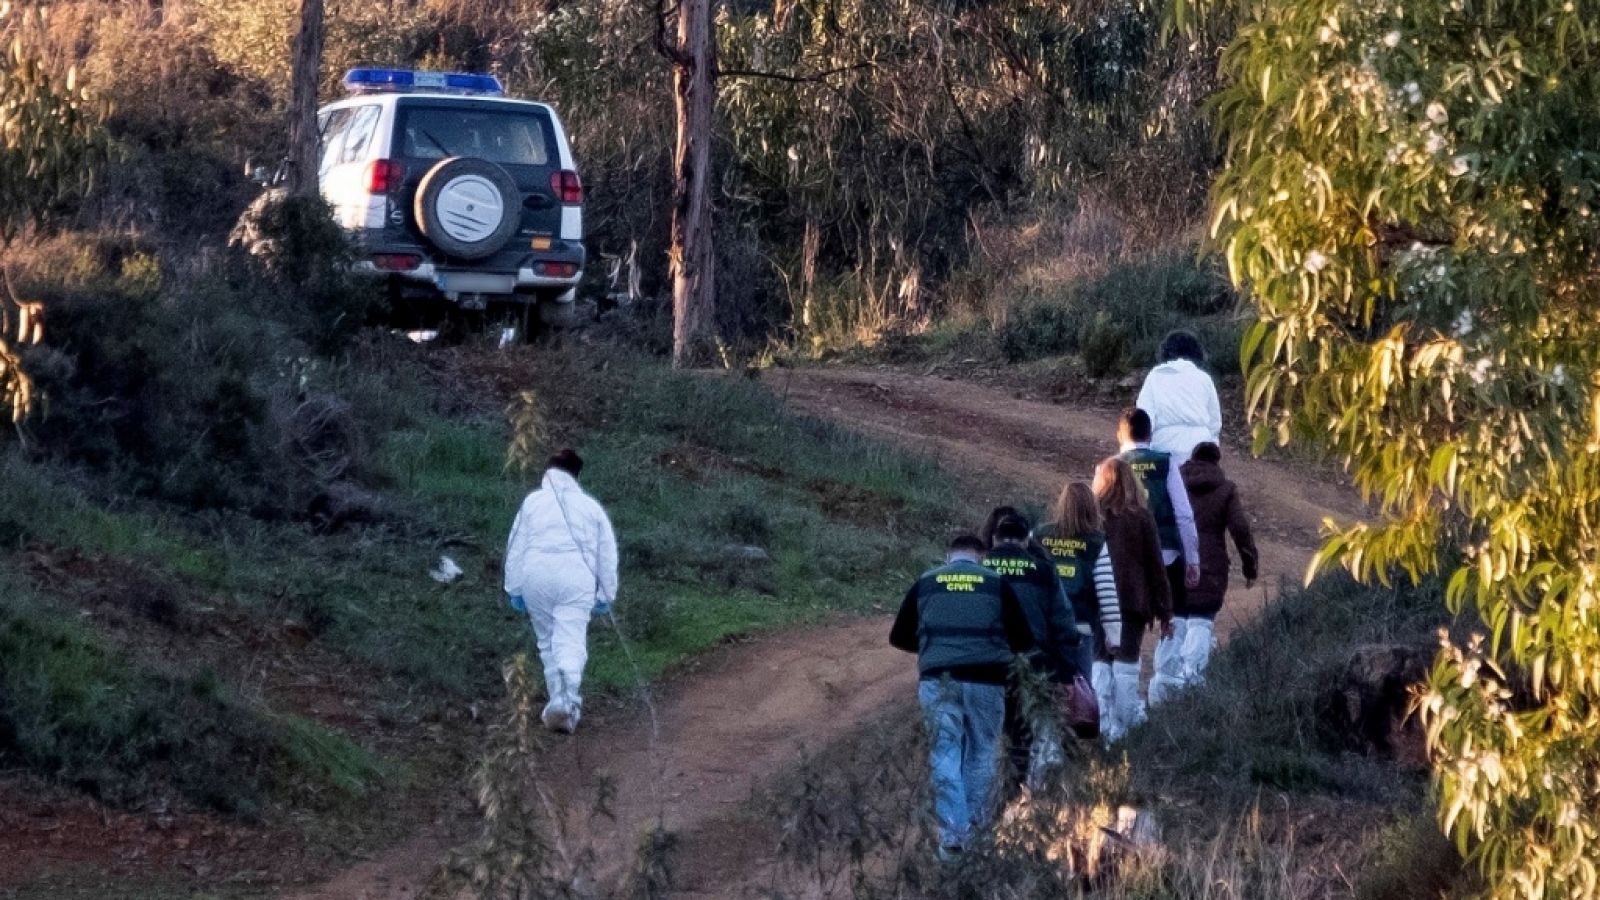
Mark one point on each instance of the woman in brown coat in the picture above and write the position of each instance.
(1142, 595)
(1218, 513)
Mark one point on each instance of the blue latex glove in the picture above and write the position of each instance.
(518, 604)
(602, 608)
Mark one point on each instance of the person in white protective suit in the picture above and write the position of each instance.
(561, 569)
(1181, 399)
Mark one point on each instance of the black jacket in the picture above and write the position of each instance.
(964, 621)
(1044, 602)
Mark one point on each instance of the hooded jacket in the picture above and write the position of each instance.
(1182, 402)
(561, 535)
(1218, 512)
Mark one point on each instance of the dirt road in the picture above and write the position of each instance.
(980, 431)
(739, 719)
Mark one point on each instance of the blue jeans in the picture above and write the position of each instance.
(964, 721)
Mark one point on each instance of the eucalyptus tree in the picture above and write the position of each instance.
(1410, 198)
(50, 145)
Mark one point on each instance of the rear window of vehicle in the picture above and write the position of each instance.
(346, 132)
(506, 136)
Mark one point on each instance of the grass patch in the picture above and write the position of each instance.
(73, 709)
(1254, 725)
(734, 516)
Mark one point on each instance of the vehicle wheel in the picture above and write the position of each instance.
(468, 207)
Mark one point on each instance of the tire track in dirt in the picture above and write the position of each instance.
(739, 718)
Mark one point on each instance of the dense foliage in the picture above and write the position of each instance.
(1410, 198)
(49, 146)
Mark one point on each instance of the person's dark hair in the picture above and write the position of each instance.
(1012, 528)
(967, 543)
(1137, 424)
(1205, 451)
(1182, 344)
(567, 461)
(986, 533)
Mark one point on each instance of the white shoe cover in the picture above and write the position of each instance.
(1129, 704)
(1198, 641)
(1111, 729)
(1168, 679)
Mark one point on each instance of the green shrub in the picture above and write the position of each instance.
(1117, 320)
(1105, 347)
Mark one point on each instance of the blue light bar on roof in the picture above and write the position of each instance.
(381, 81)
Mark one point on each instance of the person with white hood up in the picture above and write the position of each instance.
(561, 569)
(1181, 399)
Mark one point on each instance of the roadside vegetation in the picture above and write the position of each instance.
(206, 649)
(1243, 790)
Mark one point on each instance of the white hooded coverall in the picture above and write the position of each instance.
(1181, 400)
(562, 561)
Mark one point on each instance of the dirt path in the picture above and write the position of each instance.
(976, 429)
(740, 718)
(728, 727)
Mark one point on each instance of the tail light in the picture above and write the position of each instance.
(551, 269)
(396, 262)
(566, 185)
(384, 175)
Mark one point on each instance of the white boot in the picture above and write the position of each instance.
(1168, 678)
(1130, 705)
(1111, 729)
(1198, 641)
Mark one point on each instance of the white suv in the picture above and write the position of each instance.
(449, 189)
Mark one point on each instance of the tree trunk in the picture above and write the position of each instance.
(305, 73)
(693, 275)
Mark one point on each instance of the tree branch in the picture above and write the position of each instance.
(811, 78)
(664, 46)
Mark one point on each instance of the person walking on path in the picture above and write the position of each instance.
(1180, 545)
(1139, 590)
(966, 626)
(1076, 542)
(1032, 737)
(1181, 399)
(561, 570)
(1218, 512)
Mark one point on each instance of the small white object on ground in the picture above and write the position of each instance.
(446, 572)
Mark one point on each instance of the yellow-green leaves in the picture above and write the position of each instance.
(1410, 199)
(50, 144)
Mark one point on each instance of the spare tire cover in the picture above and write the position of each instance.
(468, 207)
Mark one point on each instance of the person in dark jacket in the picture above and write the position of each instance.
(1033, 741)
(966, 626)
(1218, 512)
(1143, 596)
(1075, 540)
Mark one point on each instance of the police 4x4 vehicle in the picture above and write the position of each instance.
(451, 190)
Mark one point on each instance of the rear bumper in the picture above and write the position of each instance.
(505, 272)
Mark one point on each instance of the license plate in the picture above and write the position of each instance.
(476, 282)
